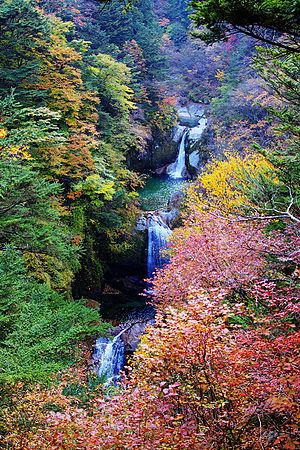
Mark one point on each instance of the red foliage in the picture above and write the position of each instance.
(164, 22)
(210, 251)
(170, 101)
(219, 370)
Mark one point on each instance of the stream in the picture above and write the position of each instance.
(109, 354)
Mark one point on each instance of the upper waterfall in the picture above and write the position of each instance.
(176, 170)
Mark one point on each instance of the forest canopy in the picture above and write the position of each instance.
(99, 101)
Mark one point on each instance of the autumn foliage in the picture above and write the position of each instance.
(79, 102)
(220, 368)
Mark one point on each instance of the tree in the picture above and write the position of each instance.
(111, 79)
(227, 184)
(280, 71)
(30, 223)
(61, 78)
(39, 327)
(24, 32)
(263, 20)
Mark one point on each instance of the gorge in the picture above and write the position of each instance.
(149, 225)
(109, 354)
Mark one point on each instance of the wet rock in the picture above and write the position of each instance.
(190, 114)
(135, 326)
(162, 170)
(161, 150)
(194, 159)
(178, 133)
(169, 216)
(141, 224)
(196, 133)
(132, 336)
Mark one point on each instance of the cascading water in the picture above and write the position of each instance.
(176, 170)
(109, 354)
(109, 357)
(158, 234)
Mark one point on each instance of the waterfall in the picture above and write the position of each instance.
(109, 356)
(176, 170)
(158, 234)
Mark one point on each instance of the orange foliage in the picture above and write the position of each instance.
(216, 370)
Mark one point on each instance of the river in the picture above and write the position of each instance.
(110, 354)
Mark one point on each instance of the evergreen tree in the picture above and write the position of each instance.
(262, 19)
(24, 32)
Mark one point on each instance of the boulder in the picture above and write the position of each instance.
(90, 303)
(194, 159)
(190, 114)
(196, 133)
(186, 119)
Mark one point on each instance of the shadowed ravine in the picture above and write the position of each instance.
(110, 353)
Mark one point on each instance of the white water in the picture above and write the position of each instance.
(109, 356)
(176, 170)
(158, 234)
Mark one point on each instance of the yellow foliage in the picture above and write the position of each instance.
(224, 184)
(94, 186)
(16, 152)
(220, 74)
(3, 133)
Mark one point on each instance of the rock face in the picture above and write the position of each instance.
(196, 133)
(178, 133)
(135, 326)
(161, 151)
(196, 152)
(194, 159)
(132, 336)
(190, 114)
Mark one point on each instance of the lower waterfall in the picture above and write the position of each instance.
(109, 357)
(109, 354)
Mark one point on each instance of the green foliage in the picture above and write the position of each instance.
(250, 17)
(24, 32)
(29, 126)
(111, 79)
(29, 222)
(280, 69)
(39, 327)
(140, 23)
